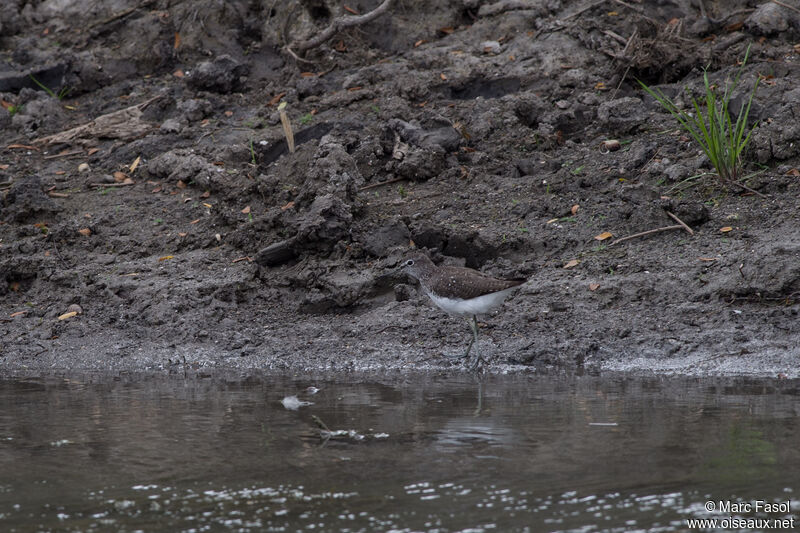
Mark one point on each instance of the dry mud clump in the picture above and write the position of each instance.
(150, 189)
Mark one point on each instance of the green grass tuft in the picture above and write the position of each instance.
(711, 126)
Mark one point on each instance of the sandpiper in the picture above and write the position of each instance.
(460, 291)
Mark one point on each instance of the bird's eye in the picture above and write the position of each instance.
(410, 262)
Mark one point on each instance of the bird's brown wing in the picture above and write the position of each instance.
(467, 283)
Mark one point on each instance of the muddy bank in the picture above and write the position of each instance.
(178, 228)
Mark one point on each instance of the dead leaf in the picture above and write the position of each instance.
(447, 30)
(443, 77)
(22, 147)
(228, 113)
(180, 184)
(350, 10)
(166, 258)
(195, 221)
(419, 43)
(85, 232)
(574, 209)
(340, 46)
(245, 258)
(182, 234)
(552, 220)
(119, 176)
(205, 194)
(5, 167)
(177, 41)
(246, 210)
(306, 75)
(6, 105)
(707, 258)
(357, 88)
(14, 286)
(571, 264)
(594, 286)
(157, 189)
(91, 151)
(207, 205)
(603, 236)
(18, 313)
(68, 315)
(726, 229)
(793, 172)
(135, 164)
(178, 73)
(275, 99)
(287, 206)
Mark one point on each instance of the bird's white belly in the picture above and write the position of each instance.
(475, 306)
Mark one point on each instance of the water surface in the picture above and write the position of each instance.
(424, 453)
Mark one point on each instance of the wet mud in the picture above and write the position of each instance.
(153, 217)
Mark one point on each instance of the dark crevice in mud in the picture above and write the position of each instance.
(270, 153)
(482, 88)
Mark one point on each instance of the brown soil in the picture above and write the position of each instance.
(472, 129)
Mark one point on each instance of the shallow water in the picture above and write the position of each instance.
(427, 453)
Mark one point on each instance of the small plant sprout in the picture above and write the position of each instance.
(287, 126)
(711, 126)
(253, 154)
(306, 119)
(61, 94)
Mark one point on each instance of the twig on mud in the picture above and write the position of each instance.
(583, 10)
(122, 14)
(746, 188)
(49, 238)
(651, 159)
(387, 182)
(681, 222)
(103, 185)
(122, 124)
(64, 154)
(787, 6)
(648, 232)
(336, 26)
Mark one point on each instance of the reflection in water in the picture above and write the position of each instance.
(415, 453)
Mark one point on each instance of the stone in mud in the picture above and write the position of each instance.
(327, 221)
(622, 115)
(195, 109)
(26, 200)
(379, 241)
(441, 135)
(769, 19)
(185, 166)
(221, 75)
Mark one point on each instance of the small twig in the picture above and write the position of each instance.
(297, 57)
(651, 159)
(583, 9)
(339, 24)
(681, 222)
(387, 182)
(787, 6)
(748, 189)
(648, 232)
(64, 154)
(103, 185)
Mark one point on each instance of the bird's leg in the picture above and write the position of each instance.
(471, 341)
(477, 359)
